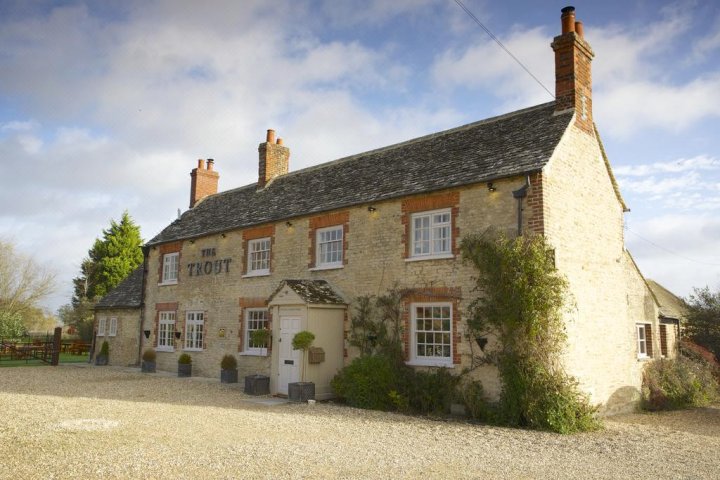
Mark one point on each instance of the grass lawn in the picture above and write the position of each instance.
(32, 362)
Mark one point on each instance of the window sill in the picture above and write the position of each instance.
(263, 273)
(327, 267)
(192, 349)
(420, 258)
(430, 363)
(644, 358)
(165, 350)
(164, 284)
(253, 354)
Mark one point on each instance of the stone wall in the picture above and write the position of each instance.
(125, 343)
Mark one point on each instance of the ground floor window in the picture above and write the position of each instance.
(194, 325)
(101, 327)
(431, 325)
(255, 319)
(166, 331)
(113, 327)
(644, 340)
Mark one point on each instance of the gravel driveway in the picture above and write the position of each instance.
(104, 422)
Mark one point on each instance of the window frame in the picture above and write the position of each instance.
(260, 271)
(194, 336)
(112, 327)
(319, 263)
(642, 350)
(169, 335)
(247, 349)
(433, 361)
(166, 270)
(432, 227)
(102, 321)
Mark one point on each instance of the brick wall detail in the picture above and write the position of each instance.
(254, 234)
(327, 220)
(428, 203)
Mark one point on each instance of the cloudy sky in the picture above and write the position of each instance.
(106, 106)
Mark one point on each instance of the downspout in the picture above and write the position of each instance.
(521, 193)
(145, 251)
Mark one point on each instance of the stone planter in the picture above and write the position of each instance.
(147, 367)
(184, 369)
(257, 385)
(301, 391)
(101, 360)
(228, 376)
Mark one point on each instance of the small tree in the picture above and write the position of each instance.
(303, 341)
(703, 319)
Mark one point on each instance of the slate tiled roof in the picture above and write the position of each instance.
(313, 291)
(128, 293)
(671, 306)
(512, 144)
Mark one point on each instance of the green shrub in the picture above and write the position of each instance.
(670, 384)
(228, 362)
(476, 404)
(430, 392)
(184, 359)
(105, 348)
(149, 355)
(368, 382)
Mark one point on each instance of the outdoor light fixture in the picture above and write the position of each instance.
(223, 235)
(288, 224)
(491, 187)
(147, 333)
(372, 209)
(177, 335)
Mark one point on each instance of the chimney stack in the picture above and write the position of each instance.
(573, 78)
(203, 181)
(274, 158)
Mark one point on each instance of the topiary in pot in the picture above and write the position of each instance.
(228, 369)
(302, 391)
(103, 357)
(148, 361)
(184, 365)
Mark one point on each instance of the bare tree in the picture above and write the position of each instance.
(23, 283)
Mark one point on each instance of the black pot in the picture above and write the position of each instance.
(101, 360)
(228, 376)
(257, 385)
(147, 367)
(184, 369)
(301, 391)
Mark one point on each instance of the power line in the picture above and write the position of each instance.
(471, 15)
(672, 252)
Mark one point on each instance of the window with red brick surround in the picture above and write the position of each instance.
(429, 203)
(257, 233)
(165, 249)
(338, 219)
(163, 307)
(251, 303)
(431, 297)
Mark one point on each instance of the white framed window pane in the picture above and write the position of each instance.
(432, 233)
(170, 267)
(194, 326)
(255, 319)
(113, 327)
(433, 332)
(101, 327)
(329, 246)
(642, 340)
(166, 331)
(259, 255)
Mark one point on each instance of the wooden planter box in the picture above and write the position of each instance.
(184, 370)
(257, 385)
(301, 391)
(228, 376)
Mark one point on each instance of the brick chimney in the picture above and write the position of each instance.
(203, 181)
(274, 158)
(573, 79)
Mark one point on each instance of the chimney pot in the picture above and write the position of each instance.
(568, 19)
(579, 29)
(201, 164)
(210, 163)
(270, 136)
(279, 141)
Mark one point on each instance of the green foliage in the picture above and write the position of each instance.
(376, 326)
(185, 359)
(260, 337)
(110, 260)
(521, 304)
(149, 355)
(368, 382)
(228, 362)
(670, 384)
(80, 316)
(105, 349)
(476, 403)
(11, 325)
(702, 324)
(429, 392)
(303, 340)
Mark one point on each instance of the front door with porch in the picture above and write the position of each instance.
(289, 359)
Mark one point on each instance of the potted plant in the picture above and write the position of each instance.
(228, 369)
(148, 361)
(184, 365)
(258, 384)
(302, 391)
(103, 357)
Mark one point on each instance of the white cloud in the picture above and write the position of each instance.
(700, 162)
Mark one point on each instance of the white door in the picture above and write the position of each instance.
(289, 359)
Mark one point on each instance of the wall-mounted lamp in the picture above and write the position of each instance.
(491, 187)
(372, 209)
(177, 335)
(192, 242)
(288, 224)
(147, 333)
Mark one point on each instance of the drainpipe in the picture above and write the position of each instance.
(521, 193)
(146, 252)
